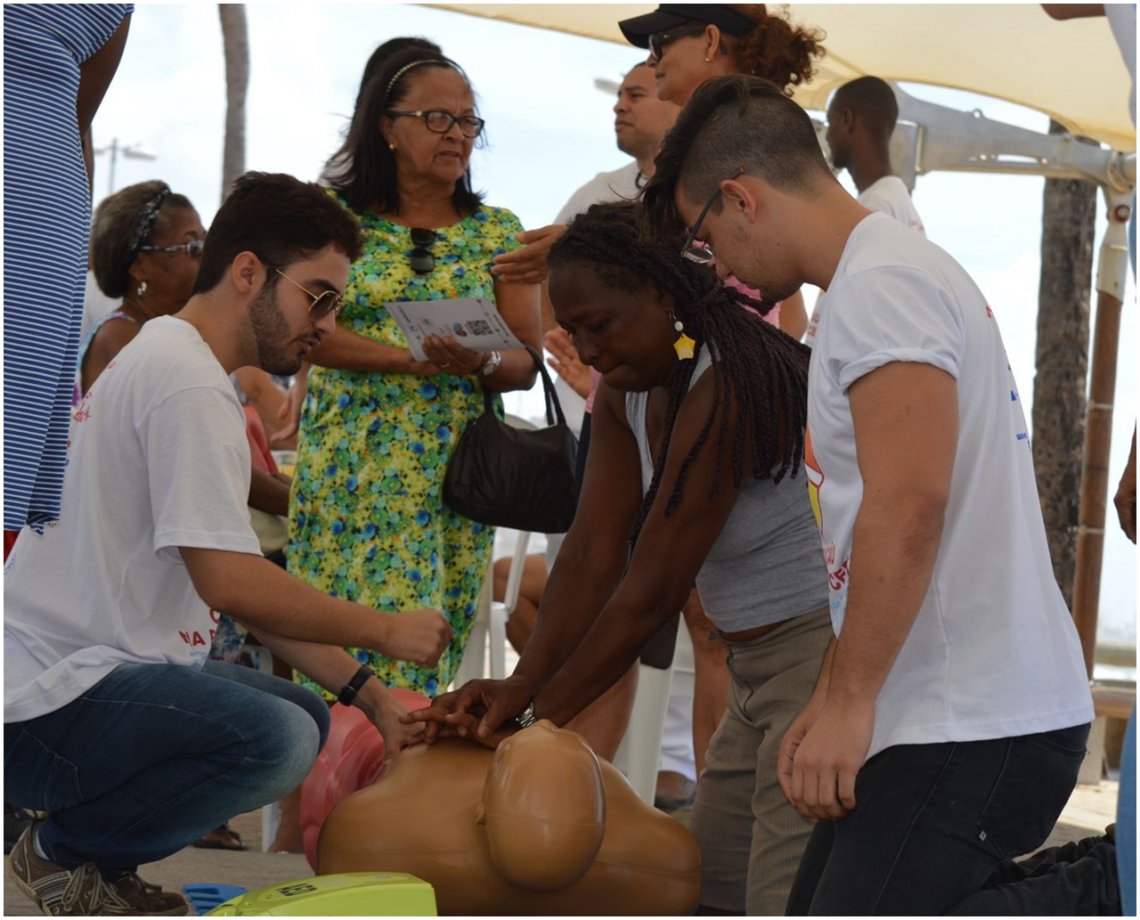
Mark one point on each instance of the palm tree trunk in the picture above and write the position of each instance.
(1059, 391)
(235, 44)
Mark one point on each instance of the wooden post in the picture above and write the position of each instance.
(1098, 427)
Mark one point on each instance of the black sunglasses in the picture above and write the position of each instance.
(658, 40)
(193, 248)
(421, 259)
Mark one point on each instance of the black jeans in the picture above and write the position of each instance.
(933, 822)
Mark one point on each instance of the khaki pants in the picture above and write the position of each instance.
(751, 839)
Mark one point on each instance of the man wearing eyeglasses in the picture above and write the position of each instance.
(115, 722)
(950, 716)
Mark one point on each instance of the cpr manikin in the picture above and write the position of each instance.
(538, 826)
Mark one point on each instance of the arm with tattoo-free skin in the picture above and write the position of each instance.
(332, 667)
(906, 422)
(588, 568)
(563, 676)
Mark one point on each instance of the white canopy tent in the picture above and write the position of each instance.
(1071, 71)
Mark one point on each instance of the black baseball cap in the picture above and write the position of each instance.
(670, 15)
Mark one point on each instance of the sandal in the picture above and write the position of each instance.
(220, 838)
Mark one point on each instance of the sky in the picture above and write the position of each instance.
(549, 131)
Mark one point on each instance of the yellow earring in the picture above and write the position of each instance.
(683, 345)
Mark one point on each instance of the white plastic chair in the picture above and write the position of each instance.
(489, 633)
(640, 750)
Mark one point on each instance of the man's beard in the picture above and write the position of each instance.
(271, 335)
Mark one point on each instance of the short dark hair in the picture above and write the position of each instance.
(731, 122)
(872, 101)
(762, 372)
(363, 169)
(279, 218)
(116, 234)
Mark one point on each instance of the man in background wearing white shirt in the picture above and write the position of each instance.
(860, 120)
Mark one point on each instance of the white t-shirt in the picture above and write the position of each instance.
(889, 195)
(993, 651)
(159, 459)
(616, 185)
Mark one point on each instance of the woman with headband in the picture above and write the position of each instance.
(378, 426)
(146, 243)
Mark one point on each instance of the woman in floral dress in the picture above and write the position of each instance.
(378, 428)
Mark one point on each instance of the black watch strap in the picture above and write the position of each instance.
(348, 694)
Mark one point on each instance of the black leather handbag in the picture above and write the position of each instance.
(513, 477)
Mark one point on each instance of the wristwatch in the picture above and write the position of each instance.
(491, 364)
(525, 719)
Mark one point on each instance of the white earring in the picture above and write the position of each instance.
(142, 288)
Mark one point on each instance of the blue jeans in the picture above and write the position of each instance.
(154, 756)
(933, 822)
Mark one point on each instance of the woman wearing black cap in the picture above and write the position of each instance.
(690, 43)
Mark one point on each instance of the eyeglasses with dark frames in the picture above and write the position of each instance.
(323, 304)
(421, 257)
(658, 40)
(440, 121)
(698, 252)
(193, 248)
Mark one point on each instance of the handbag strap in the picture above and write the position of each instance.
(553, 406)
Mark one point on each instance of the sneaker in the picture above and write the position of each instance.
(83, 891)
(145, 897)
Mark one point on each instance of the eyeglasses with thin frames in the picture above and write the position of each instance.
(323, 304)
(440, 121)
(658, 40)
(421, 257)
(193, 248)
(698, 252)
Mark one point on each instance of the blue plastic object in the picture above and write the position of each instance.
(204, 898)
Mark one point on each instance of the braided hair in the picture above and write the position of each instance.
(760, 370)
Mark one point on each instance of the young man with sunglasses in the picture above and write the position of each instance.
(115, 723)
(950, 716)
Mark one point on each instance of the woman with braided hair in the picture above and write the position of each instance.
(695, 460)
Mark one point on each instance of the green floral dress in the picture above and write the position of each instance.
(367, 518)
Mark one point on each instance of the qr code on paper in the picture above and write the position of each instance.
(480, 327)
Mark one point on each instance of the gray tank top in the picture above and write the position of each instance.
(766, 565)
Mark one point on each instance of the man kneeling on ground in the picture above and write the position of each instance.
(115, 722)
